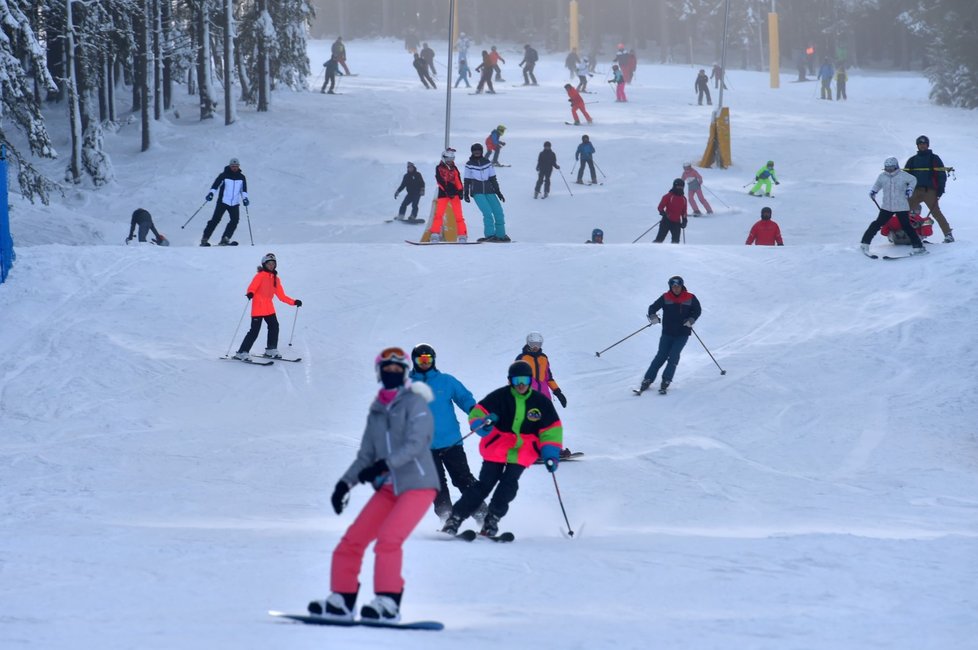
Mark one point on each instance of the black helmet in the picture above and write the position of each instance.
(678, 183)
(476, 147)
(597, 232)
(421, 349)
(519, 369)
(765, 213)
(676, 280)
(923, 139)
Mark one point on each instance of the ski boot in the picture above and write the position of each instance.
(480, 513)
(451, 525)
(272, 353)
(919, 251)
(536, 195)
(948, 238)
(385, 608)
(241, 355)
(664, 386)
(204, 242)
(645, 384)
(435, 238)
(490, 526)
(462, 239)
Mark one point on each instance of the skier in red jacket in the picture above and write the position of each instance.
(672, 208)
(765, 232)
(577, 104)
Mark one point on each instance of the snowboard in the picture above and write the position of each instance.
(310, 619)
(407, 221)
(579, 124)
(441, 243)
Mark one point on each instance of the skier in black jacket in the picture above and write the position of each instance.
(332, 69)
(546, 163)
(232, 189)
(680, 309)
(931, 174)
(530, 58)
(413, 184)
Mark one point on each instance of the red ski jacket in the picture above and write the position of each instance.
(765, 233)
(674, 206)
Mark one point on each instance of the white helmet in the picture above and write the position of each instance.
(534, 338)
(448, 154)
(891, 164)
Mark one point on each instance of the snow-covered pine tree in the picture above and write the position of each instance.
(20, 69)
(950, 28)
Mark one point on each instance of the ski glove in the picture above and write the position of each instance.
(210, 196)
(654, 319)
(560, 398)
(909, 192)
(340, 497)
(128, 239)
(551, 457)
(756, 178)
(467, 198)
(689, 322)
(368, 474)
(395, 194)
(501, 197)
(872, 194)
(250, 295)
(483, 426)
(298, 303)
(777, 182)
(246, 202)
(683, 223)
(662, 213)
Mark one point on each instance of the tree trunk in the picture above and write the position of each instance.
(263, 68)
(166, 17)
(228, 61)
(74, 114)
(144, 44)
(157, 26)
(204, 62)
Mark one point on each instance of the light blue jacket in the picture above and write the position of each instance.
(449, 392)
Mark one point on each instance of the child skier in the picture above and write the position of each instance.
(543, 378)
(585, 154)
(517, 426)
(494, 143)
(394, 457)
(449, 192)
(264, 286)
(694, 186)
(763, 177)
(597, 237)
(898, 187)
(618, 78)
(546, 164)
(413, 184)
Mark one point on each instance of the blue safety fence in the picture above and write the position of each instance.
(7, 255)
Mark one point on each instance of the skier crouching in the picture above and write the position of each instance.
(518, 425)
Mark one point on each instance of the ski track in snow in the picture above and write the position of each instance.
(819, 495)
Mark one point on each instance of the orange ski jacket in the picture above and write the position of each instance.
(264, 286)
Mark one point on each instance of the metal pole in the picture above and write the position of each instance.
(723, 57)
(448, 79)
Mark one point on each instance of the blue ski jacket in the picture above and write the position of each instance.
(449, 392)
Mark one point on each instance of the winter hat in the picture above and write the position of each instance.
(420, 350)
(519, 369)
(891, 164)
(411, 164)
(500, 128)
(923, 139)
(234, 161)
(676, 280)
(448, 154)
(269, 257)
(534, 338)
(387, 357)
(765, 213)
(546, 145)
(476, 147)
(678, 184)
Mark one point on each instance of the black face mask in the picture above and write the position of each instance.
(392, 379)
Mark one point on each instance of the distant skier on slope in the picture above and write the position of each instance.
(543, 376)
(694, 187)
(512, 440)
(763, 178)
(494, 143)
(672, 209)
(143, 220)
(618, 78)
(765, 232)
(481, 184)
(232, 189)
(585, 154)
(577, 104)
(529, 62)
(582, 74)
(413, 184)
(449, 183)
(897, 186)
(546, 164)
(422, 69)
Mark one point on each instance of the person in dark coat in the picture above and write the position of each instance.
(680, 309)
(143, 220)
(530, 58)
(931, 174)
(332, 68)
(702, 87)
(413, 184)
(428, 56)
(232, 190)
(422, 68)
(546, 164)
(338, 50)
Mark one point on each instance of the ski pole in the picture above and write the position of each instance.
(573, 167)
(599, 169)
(722, 371)
(566, 184)
(873, 199)
(235, 336)
(712, 193)
(644, 233)
(294, 319)
(193, 215)
(248, 215)
(570, 533)
(598, 354)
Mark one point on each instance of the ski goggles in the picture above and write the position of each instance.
(424, 359)
(520, 381)
(392, 355)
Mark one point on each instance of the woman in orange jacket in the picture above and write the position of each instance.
(265, 285)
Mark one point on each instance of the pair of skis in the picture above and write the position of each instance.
(265, 361)
(662, 390)
(471, 536)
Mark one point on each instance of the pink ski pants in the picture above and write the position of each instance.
(388, 519)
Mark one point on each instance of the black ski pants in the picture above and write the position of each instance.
(665, 227)
(330, 81)
(249, 340)
(580, 171)
(453, 461)
(426, 79)
(485, 80)
(884, 216)
(543, 180)
(528, 76)
(219, 210)
(411, 199)
(670, 347)
(505, 477)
